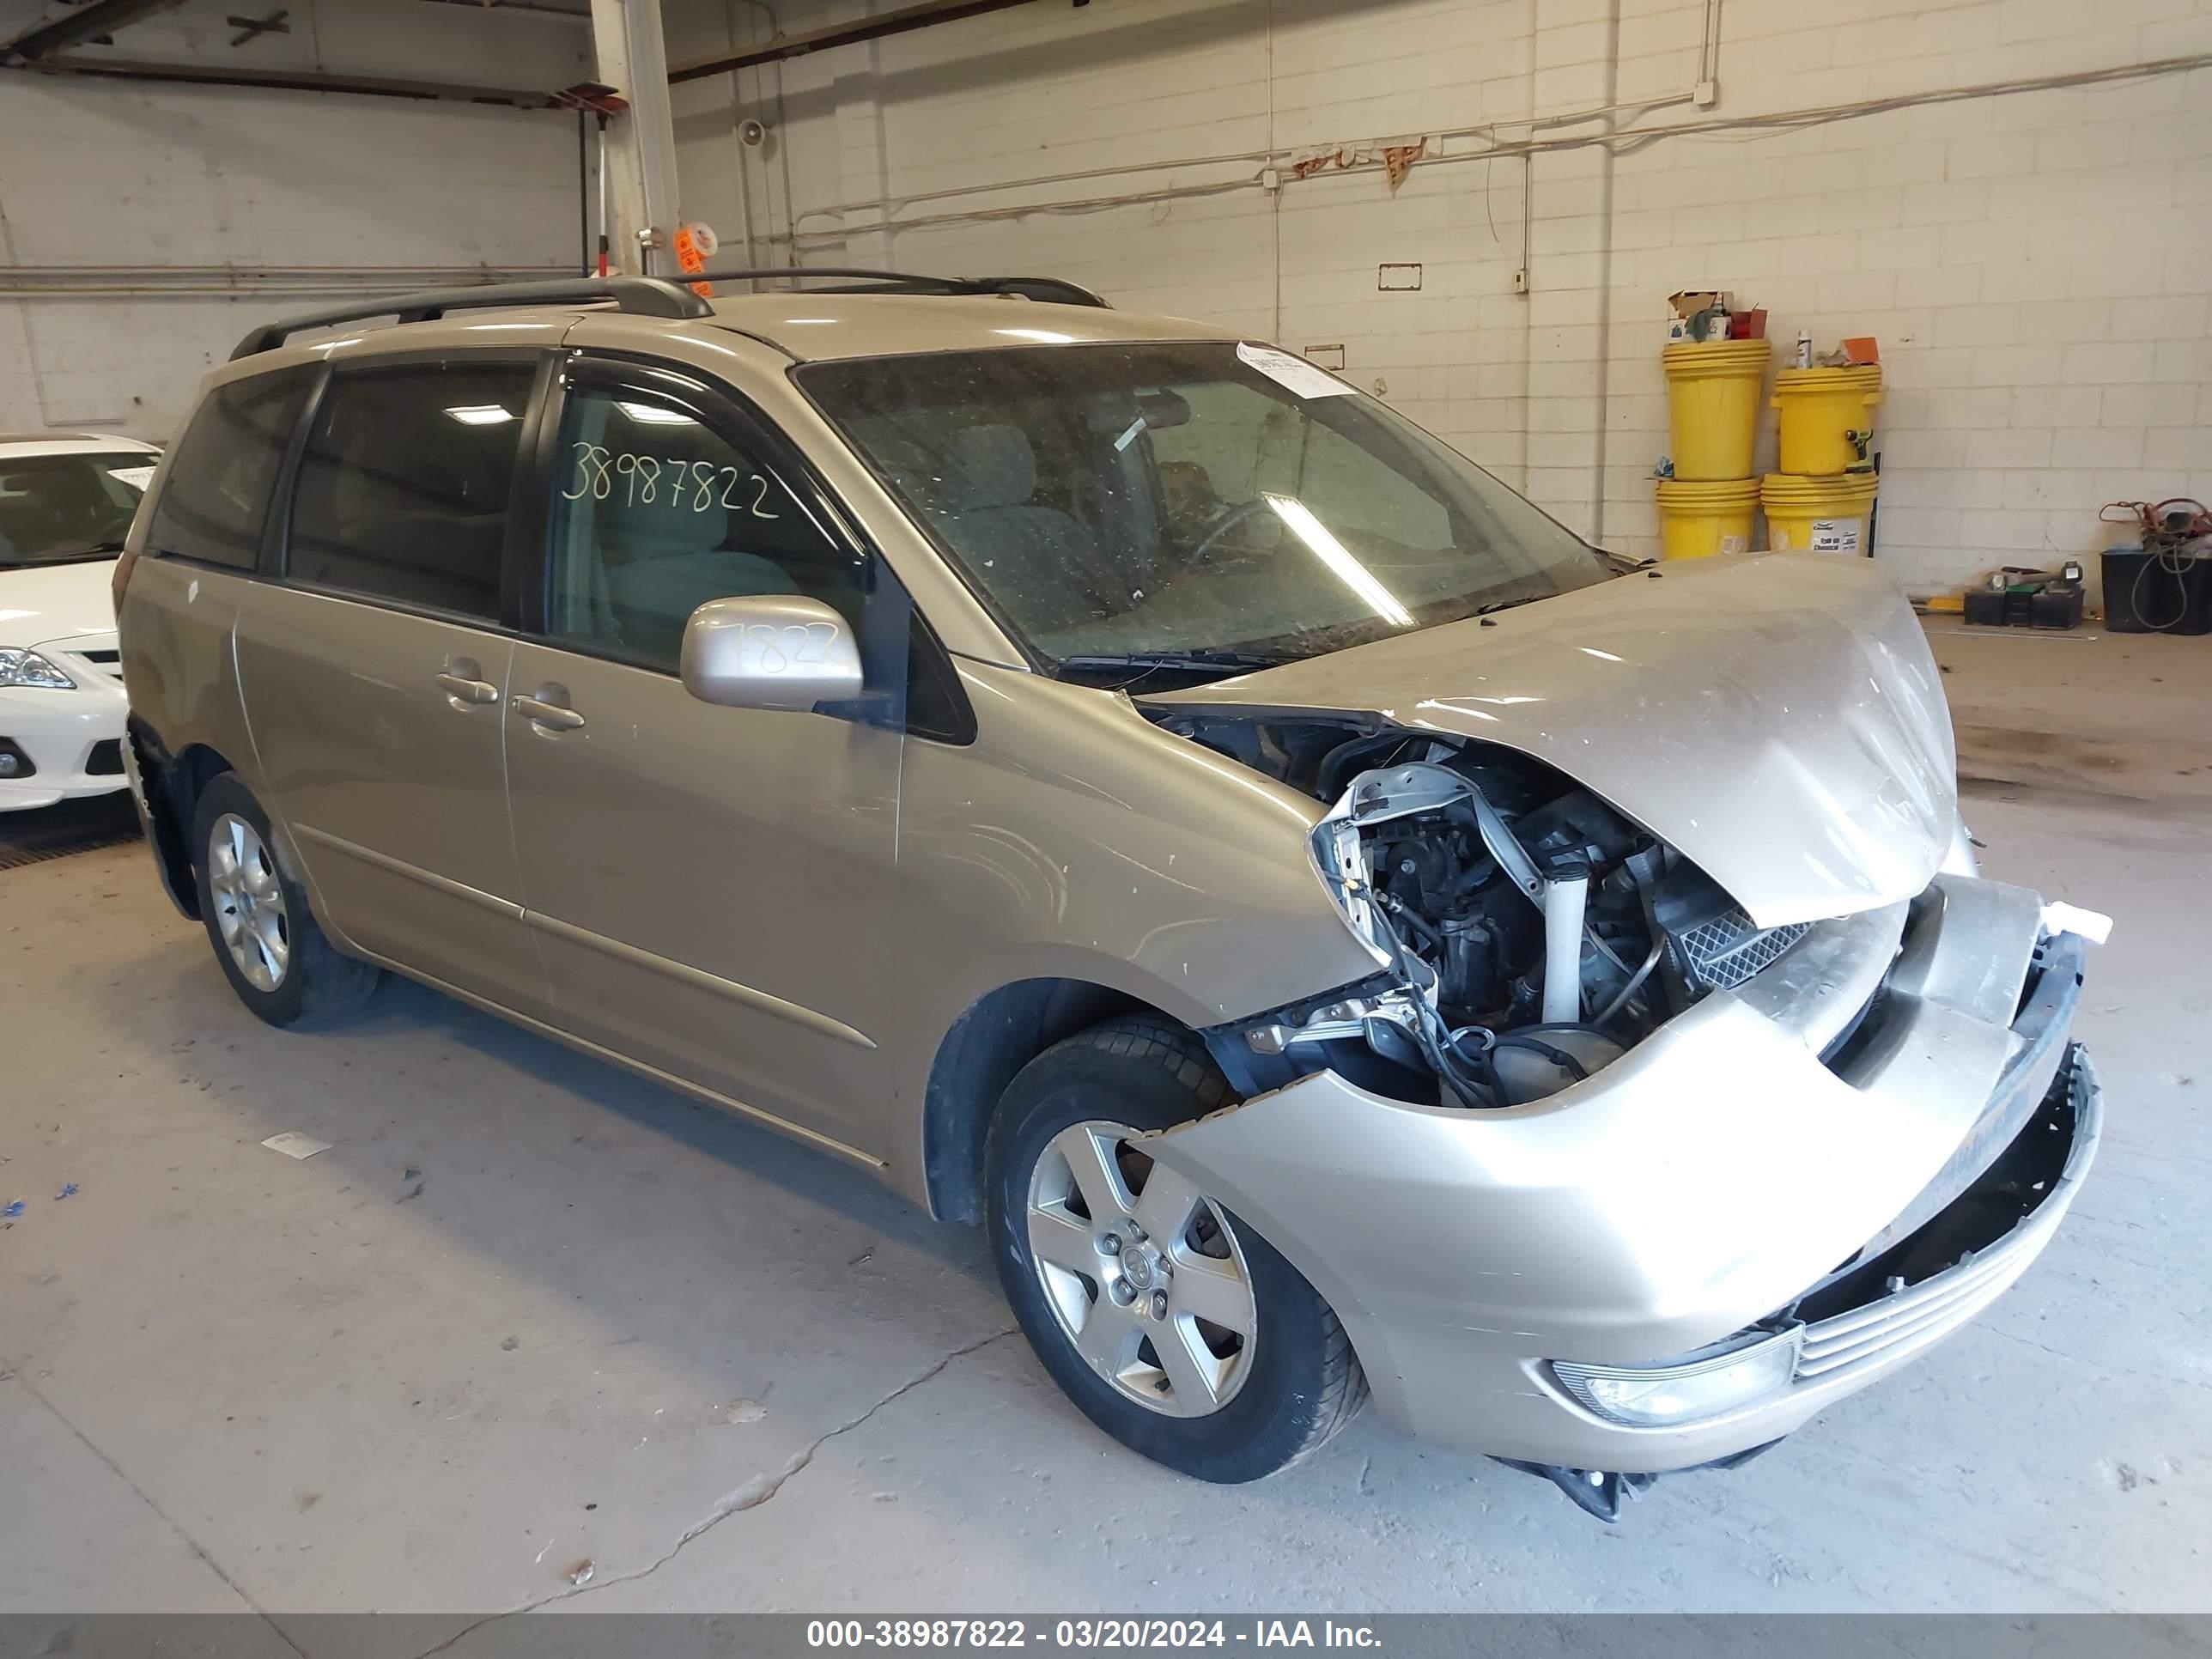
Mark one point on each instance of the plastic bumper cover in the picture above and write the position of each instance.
(1698, 1185)
(66, 736)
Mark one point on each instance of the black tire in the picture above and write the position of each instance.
(317, 984)
(1303, 1382)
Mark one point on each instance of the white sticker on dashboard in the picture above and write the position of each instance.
(1294, 374)
(137, 476)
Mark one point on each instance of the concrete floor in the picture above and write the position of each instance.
(528, 1313)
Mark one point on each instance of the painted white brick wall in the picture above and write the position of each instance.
(2037, 266)
(110, 175)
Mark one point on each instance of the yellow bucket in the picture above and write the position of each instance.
(1818, 515)
(1828, 416)
(1700, 519)
(1713, 400)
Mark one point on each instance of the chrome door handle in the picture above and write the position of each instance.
(463, 690)
(552, 714)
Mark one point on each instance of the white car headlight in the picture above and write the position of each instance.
(1668, 1396)
(29, 668)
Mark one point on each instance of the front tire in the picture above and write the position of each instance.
(1174, 1326)
(264, 936)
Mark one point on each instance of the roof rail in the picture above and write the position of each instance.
(641, 296)
(1052, 290)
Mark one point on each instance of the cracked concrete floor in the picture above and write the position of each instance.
(528, 1313)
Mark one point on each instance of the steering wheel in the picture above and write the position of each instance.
(1223, 522)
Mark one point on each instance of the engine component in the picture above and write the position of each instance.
(1529, 934)
(1566, 896)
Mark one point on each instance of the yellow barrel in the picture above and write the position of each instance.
(1818, 515)
(1828, 416)
(1712, 401)
(1700, 519)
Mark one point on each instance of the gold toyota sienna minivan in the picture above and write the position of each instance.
(1118, 783)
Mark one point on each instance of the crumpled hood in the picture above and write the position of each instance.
(40, 604)
(1777, 719)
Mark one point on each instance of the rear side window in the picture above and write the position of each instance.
(404, 488)
(216, 497)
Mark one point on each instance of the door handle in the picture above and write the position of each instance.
(552, 716)
(463, 691)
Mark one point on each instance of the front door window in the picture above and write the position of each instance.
(656, 511)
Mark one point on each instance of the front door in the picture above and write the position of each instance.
(376, 672)
(708, 886)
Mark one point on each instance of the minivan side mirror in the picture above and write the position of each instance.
(769, 651)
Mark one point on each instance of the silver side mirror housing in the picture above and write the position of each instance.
(769, 651)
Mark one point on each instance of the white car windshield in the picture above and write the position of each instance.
(55, 509)
(1123, 503)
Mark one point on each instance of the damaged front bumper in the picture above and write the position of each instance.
(1828, 1158)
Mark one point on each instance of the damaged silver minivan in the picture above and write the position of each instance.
(1339, 932)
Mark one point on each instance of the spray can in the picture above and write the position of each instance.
(1804, 349)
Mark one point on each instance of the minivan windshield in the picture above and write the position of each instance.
(56, 509)
(1200, 501)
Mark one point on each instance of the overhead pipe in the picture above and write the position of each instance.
(203, 75)
(231, 281)
(903, 21)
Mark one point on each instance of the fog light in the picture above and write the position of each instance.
(1665, 1396)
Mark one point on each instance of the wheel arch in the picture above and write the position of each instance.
(170, 786)
(993, 1038)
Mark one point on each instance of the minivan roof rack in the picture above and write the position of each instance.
(1052, 290)
(641, 296)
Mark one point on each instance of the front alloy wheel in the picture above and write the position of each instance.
(1172, 1324)
(1144, 1273)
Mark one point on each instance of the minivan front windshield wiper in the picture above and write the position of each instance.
(67, 554)
(1136, 665)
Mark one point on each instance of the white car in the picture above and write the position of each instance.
(66, 501)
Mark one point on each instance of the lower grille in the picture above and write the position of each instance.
(105, 760)
(1722, 953)
(1992, 1230)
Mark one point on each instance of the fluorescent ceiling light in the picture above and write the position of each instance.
(480, 414)
(653, 415)
(1042, 335)
(1334, 554)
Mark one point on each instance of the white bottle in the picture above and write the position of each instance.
(1804, 349)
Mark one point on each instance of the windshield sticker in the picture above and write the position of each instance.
(1129, 436)
(137, 476)
(1294, 374)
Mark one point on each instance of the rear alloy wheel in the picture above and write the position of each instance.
(1171, 1323)
(249, 902)
(264, 936)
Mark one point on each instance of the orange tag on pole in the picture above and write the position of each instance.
(690, 261)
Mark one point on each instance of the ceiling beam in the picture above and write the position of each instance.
(901, 21)
(116, 69)
(85, 23)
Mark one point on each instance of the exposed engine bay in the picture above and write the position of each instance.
(1529, 934)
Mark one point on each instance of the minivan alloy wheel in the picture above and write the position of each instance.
(249, 902)
(1143, 1272)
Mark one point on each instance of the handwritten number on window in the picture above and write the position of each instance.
(696, 484)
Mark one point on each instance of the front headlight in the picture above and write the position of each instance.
(29, 669)
(1668, 1396)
